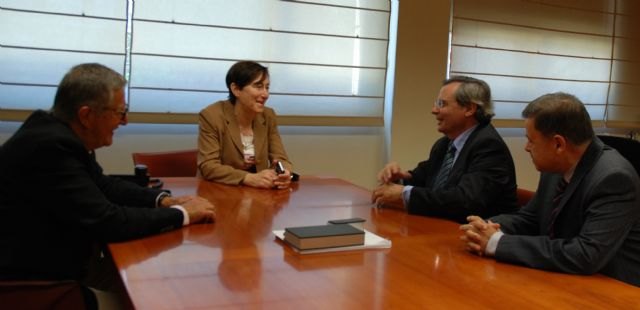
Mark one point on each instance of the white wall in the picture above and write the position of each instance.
(355, 154)
(349, 153)
(352, 153)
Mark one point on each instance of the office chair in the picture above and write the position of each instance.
(35, 295)
(523, 196)
(628, 148)
(181, 163)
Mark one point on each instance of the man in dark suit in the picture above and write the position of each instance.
(56, 205)
(469, 170)
(585, 215)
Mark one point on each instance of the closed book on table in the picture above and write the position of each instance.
(323, 236)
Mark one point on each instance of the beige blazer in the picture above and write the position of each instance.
(220, 156)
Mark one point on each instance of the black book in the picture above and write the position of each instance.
(354, 221)
(323, 236)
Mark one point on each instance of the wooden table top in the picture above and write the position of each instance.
(237, 262)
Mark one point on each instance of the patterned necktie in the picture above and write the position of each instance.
(447, 163)
(560, 188)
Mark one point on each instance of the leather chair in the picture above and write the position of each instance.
(35, 295)
(524, 195)
(181, 163)
(628, 148)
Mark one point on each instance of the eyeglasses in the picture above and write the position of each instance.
(121, 113)
(439, 103)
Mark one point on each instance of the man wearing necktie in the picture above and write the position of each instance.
(585, 215)
(469, 170)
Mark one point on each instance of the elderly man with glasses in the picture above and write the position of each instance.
(56, 205)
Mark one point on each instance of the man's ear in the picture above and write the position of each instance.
(471, 110)
(560, 143)
(85, 116)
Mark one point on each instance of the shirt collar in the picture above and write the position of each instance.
(460, 140)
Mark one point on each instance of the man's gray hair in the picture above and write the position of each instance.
(476, 91)
(89, 84)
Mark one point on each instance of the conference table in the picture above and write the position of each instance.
(237, 262)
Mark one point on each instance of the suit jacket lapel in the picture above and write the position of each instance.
(260, 135)
(232, 126)
(589, 158)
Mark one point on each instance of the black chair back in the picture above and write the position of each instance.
(628, 148)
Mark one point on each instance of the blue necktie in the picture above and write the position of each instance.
(447, 164)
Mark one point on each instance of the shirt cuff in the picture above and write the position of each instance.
(492, 244)
(185, 215)
(406, 195)
(160, 197)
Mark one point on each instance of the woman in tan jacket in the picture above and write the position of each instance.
(238, 140)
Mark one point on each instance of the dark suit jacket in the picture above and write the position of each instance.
(56, 204)
(220, 150)
(597, 229)
(482, 180)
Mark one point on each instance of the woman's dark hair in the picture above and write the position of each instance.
(244, 72)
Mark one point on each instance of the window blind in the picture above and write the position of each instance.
(325, 58)
(624, 108)
(526, 48)
(41, 40)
